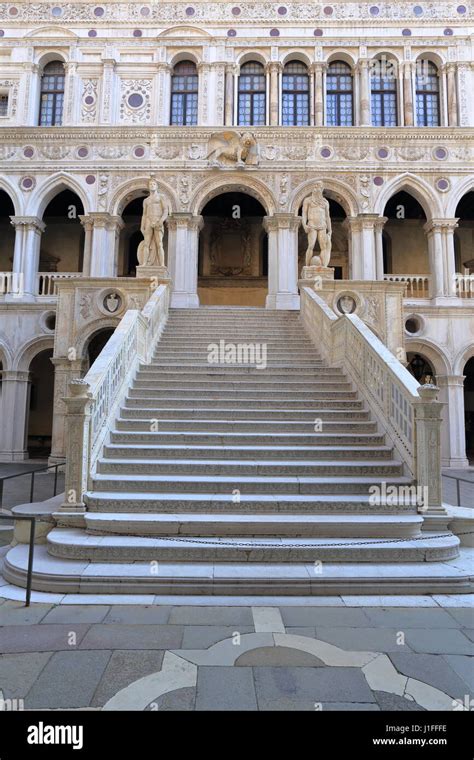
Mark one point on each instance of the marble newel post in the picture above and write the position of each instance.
(282, 232)
(183, 245)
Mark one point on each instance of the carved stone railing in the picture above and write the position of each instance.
(46, 281)
(418, 285)
(95, 400)
(464, 285)
(408, 413)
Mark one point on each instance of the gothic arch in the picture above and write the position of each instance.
(132, 189)
(240, 184)
(416, 187)
(465, 186)
(334, 188)
(30, 349)
(6, 358)
(52, 187)
(462, 357)
(12, 194)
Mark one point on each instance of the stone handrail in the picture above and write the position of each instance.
(418, 285)
(407, 412)
(94, 401)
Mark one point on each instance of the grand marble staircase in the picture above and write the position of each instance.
(231, 479)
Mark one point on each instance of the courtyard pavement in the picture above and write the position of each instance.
(334, 653)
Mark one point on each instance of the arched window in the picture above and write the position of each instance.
(383, 91)
(52, 95)
(339, 95)
(295, 95)
(184, 94)
(252, 95)
(427, 94)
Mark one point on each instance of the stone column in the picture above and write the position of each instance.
(378, 230)
(26, 254)
(14, 415)
(183, 246)
(364, 89)
(274, 69)
(106, 228)
(282, 230)
(433, 229)
(352, 224)
(318, 94)
(229, 95)
(452, 95)
(408, 97)
(88, 225)
(311, 96)
(449, 259)
(367, 223)
(164, 94)
(16, 289)
(64, 372)
(453, 439)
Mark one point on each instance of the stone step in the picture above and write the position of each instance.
(74, 543)
(249, 503)
(252, 383)
(251, 408)
(233, 485)
(290, 441)
(236, 579)
(236, 524)
(191, 451)
(137, 420)
(183, 360)
(278, 392)
(152, 370)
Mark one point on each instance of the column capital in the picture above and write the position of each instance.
(15, 375)
(380, 222)
(87, 221)
(105, 220)
(30, 222)
(231, 69)
(273, 67)
(440, 224)
(281, 221)
(164, 66)
(318, 66)
(184, 219)
(450, 381)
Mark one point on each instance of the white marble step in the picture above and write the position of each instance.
(237, 524)
(74, 543)
(272, 484)
(257, 467)
(278, 503)
(139, 420)
(293, 441)
(229, 407)
(269, 451)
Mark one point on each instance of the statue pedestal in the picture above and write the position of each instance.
(160, 274)
(310, 273)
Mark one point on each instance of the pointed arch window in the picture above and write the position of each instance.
(52, 95)
(339, 95)
(295, 95)
(252, 95)
(427, 94)
(184, 94)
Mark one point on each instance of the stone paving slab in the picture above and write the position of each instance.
(307, 616)
(314, 685)
(14, 613)
(393, 702)
(464, 616)
(431, 669)
(114, 636)
(362, 639)
(463, 666)
(69, 680)
(123, 668)
(204, 636)
(138, 615)
(18, 672)
(76, 614)
(438, 641)
(225, 688)
(211, 616)
(412, 618)
(39, 638)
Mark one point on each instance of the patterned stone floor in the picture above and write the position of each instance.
(195, 657)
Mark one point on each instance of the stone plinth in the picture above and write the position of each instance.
(160, 275)
(308, 274)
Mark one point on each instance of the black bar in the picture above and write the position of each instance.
(55, 479)
(32, 487)
(29, 576)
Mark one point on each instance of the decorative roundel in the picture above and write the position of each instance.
(92, 33)
(461, 9)
(2, 33)
(144, 12)
(378, 181)
(90, 179)
(56, 11)
(282, 11)
(318, 32)
(29, 151)
(383, 152)
(326, 152)
(448, 32)
(190, 11)
(418, 10)
(27, 183)
(83, 151)
(137, 32)
(99, 11)
(441, 154)
(442, 184)
(328, 11)
(274, 33)
(236, 11)
(406, 32)
(139, 151)
(374, 10)
(89, 99)
(231, 33)
(135, 100)
(13, 11)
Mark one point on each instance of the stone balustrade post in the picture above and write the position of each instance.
(78, 445)
(428, 420)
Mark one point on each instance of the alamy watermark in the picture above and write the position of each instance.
(383, 494)
(249, 354)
